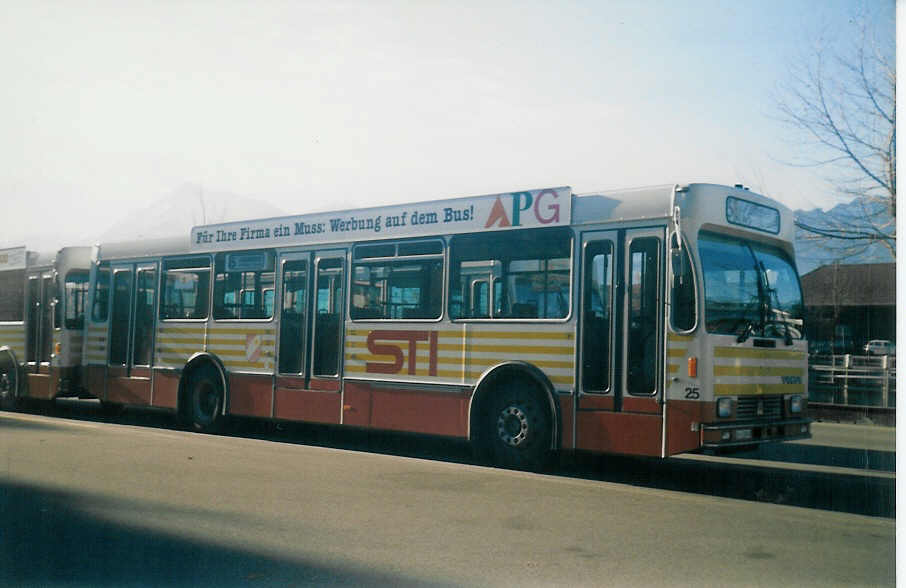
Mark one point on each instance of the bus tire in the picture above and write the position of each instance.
(9, 380)
(516, 427)
(112, 409)
(205, 400)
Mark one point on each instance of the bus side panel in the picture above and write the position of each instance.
(418, 411)
(251, 395)
(123, 389)
(39, 385)
(635, 434)
(94, 380)
(566, 421)
(314, 406)
(165, 386)
(681, 414)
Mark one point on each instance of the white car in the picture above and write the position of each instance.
(880, 347)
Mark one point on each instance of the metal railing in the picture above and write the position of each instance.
(853, 380)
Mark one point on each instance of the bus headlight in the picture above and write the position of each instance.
(724, 407)
(795, 404)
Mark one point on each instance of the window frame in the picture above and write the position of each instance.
(164, 270)
(399, 259)
(687, 252)
(212, 313)
(496, 281)
(102, 268)
(66, 299)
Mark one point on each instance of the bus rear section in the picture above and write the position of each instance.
(42, 304)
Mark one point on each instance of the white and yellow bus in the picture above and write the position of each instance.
(648, 322)
(42, 302)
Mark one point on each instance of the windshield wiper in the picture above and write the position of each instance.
(750, 328)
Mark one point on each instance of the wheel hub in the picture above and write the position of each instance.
(513, 426)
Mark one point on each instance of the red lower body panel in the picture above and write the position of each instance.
(251, 395)
(419, 411)
(614, 432)
(681, 414)
(40, 386)
(126, 390)
(566, 422)
(166, 389)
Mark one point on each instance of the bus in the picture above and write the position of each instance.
(649, 322)
(42, 319)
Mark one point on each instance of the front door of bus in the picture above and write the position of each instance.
(310, 350)
(131, 338)
(621, 323)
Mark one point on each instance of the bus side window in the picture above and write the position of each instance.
(682, 297)
(328, 322)
(101, 295)
(75, 292)
(596, 312)
(643, 313)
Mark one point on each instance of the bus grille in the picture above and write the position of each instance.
(747, 407)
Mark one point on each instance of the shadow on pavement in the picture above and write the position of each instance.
(872, 495)
(49, 537)
(842, 457)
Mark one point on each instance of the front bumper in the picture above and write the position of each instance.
(741, 433)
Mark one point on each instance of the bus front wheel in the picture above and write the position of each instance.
(517, 428)
(205, 400)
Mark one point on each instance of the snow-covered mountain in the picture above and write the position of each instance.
(187, 206)
(813, 251)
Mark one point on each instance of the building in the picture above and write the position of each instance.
(847, 305)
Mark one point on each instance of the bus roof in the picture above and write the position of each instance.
(123, 250)
(495, 212)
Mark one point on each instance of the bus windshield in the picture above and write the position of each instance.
(750, 289)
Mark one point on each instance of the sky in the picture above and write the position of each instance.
(110, 107)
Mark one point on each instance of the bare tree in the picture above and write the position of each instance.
(843, 109)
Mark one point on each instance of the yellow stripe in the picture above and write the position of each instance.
(241, 331)
(757, 370)
(182, 330)
(453, 361)
(753, 389)
(541, 349)
(175, 349)
(674, 352)
(472, 375)
(755, 353)
(675, 337)
(551, 336)
(247, 364)
(672, 368)
(176, 340)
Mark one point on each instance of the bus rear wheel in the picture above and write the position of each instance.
(205, 402)
(516, 429)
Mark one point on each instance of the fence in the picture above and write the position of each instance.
(853, 380)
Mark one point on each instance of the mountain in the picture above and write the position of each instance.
(813, 251)
(187, 206)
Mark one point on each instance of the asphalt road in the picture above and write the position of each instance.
(88, 502)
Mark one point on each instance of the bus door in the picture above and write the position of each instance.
(131, 338)
(620, 389)
(310, 351)
(41, 300)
